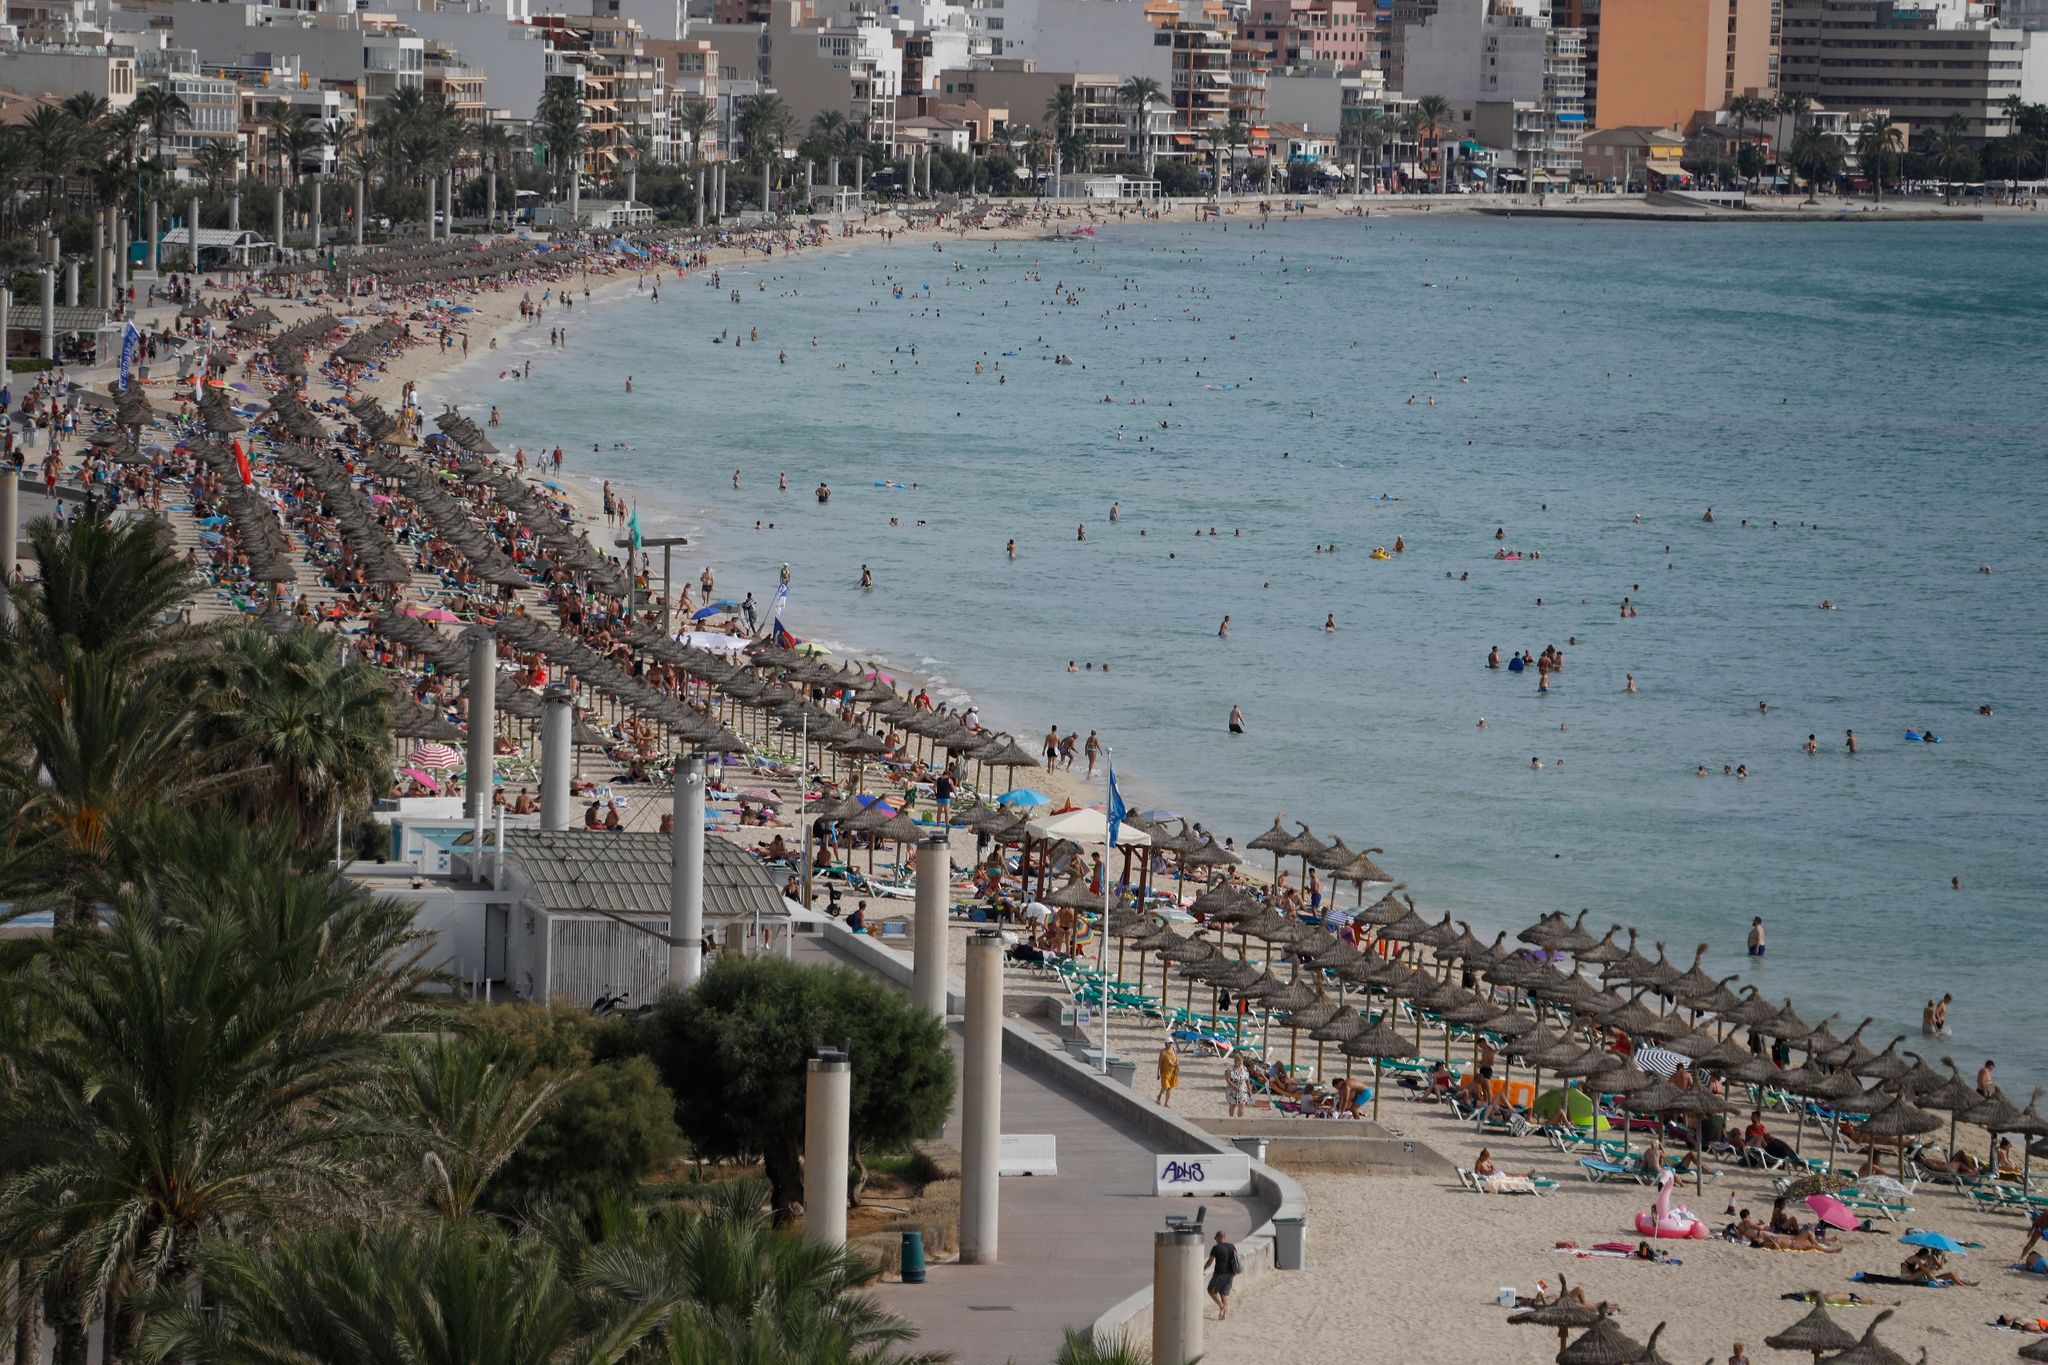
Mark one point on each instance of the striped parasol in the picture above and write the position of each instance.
(435, 757)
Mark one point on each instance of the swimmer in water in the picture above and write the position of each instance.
(1223, 631)
(1330, 623)
(1011, 549)
(1631, 685)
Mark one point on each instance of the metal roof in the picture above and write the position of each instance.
(29, 318)
(624, 872)
(214, 237)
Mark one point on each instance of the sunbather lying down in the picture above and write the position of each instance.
(2035, 1325)
(1544, 1297)
(1926, 1268)
(1757, 1235)
(1841, 1299)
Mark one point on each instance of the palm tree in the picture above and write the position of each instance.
(828, 128)
(314, 727)
(52, 138)
(560, 126)
(1138, 93)
(220, 163)
(1433, 115)
(736, 1289)
(1816, 156)
(1794, 105)
(1062, 115)
(460, 1110)
(1080, 1348)
(1368, 130)
(697, 118)
(1233, 135)
(162, 110)
(445, 1294)
(189, 1079)
(493, 143)
(105, 588)
(1877, 146)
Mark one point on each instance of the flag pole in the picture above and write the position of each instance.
(1113, 815)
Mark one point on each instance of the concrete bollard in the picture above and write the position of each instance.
(686, 879)
(1176, 1297)
(928, 924)
(828, 1125)
(981, 1100)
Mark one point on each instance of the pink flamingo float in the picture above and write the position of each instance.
(1667, 1219)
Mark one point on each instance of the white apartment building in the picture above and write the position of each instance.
(1468, 53)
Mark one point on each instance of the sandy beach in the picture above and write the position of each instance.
(1400, 1268)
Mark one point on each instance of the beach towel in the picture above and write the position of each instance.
(1506, 1184)
(1866, 1277)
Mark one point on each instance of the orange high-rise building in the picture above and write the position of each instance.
(1662, 61)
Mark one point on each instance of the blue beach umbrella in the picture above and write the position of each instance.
(1920, 1237)
(1023, 796)
(714, 609)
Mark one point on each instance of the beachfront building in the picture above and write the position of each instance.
(1476, 51)
(64, 68)
(1342, 35)
(1657, 62)
(1018, 87)
(1924, 61)
(370, 56)
(854, 70)
(1631, 156)
(213, 101)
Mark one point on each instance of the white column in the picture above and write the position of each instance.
(483, 719)
(318, 182)
(155, 237)
(433, 188)
(686, 877)
(1176, 1297)
(235, 208)
(49, 312)
(557, 755)
(10, 509)
(928, 925)
(192, 235)
(828, 1124)
(359, 209)
(981, 1098)
(71, 283)
(100, 299)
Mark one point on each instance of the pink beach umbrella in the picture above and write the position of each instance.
(438, 757)
(1833, 1212)
(424, 779)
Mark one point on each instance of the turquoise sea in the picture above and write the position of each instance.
(1869, 399)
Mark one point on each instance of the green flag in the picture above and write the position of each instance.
(633, 525)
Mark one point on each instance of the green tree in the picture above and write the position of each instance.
(190, 1076)
(444, 1294)
(734, 1052)
(315, 726)
(459, 1110)
(739, 1292)
(1138, 94)
(613, 1121)
(1080, 1348)
(559, 125)
(1367, 130)
(162, 110)
(1433, 117)
(1878, 148)
(1817, 156)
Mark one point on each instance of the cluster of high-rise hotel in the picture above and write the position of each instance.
(1525, 81)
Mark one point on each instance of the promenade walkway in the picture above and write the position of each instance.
(1070, 1246)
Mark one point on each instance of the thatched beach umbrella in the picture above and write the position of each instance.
(1345, 1023)
(1898, 1120)
(1379, 1043)
(1274, 841)
(1561, 1313)
(1603, 1344)
(2033, 1350)
(1868, 1350)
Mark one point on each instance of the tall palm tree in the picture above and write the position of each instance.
(1368, 130)
(105, 588)
(220, 163)
(1795, 105)
(162, 110)
(1138, 94)
(698, 118)
(1434, 116)
(828, 129)
(1877, 147)
(52, 138)
(560, 126)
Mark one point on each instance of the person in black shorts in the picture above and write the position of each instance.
(1224, 1266)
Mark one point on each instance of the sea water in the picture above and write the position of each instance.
(1867, 399)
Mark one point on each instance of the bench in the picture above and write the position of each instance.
(1028, 1154)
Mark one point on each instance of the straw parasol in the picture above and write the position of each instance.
(1560, 1312)
(1868, 1350)
(1898, 1120)
(2035, 1350)
(1274, 841)
(1603, 1344)
(1995, 1115)
(1378, 1042)
(1816, 1332)
(1546, 928)
(1651, 1355)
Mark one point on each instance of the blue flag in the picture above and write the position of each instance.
(1116, 805)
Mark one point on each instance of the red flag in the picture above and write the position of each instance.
(242, 463)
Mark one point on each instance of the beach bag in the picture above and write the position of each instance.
(1506, 1296)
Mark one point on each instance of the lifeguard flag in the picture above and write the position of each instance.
(242, 463)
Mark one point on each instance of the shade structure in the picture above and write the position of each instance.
(1603, 1344)
(1574, 939)
(1868, 1350)
(2035, 1350)
(1384, 911)
(1560, 1313)
(1378, 1042)
(1888, 1065)
(1651, 1355)
(1546, 928)
(434, 757)
(1088, 826)
(1275, 842)
(1604, 951)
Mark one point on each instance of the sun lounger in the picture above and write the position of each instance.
(1599, 1171)
(1504, 1184)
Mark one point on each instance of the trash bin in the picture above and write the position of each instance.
(1124, 1074)
(1253, 1147)
(913, 1258)
(1290, 1243)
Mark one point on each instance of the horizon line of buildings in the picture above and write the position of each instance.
(1525, 81)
